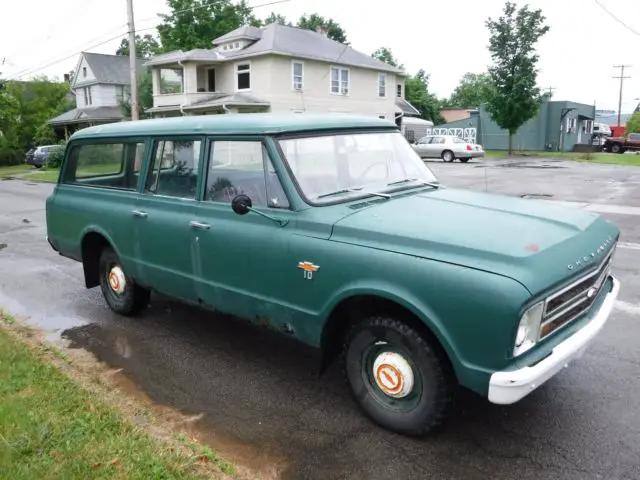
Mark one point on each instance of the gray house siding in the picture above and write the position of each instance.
(540, 133)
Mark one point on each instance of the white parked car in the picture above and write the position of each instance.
(447, 147)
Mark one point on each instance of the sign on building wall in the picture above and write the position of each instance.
(467, 134)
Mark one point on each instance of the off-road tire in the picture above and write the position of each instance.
(437, 380)
(133, 300)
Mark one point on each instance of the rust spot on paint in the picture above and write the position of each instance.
(533, 247)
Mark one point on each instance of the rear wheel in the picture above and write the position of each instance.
(397, 377)
(448, 156)
(120, 291)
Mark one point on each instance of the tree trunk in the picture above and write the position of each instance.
(510, 143)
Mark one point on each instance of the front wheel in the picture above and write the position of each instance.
(397, 377)
(616, 148)
(120, 291)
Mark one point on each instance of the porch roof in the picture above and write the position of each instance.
(216, 100)
(88, 114)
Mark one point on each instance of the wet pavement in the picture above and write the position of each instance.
(259, 392)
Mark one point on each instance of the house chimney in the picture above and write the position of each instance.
(321, 30)
(66, 77)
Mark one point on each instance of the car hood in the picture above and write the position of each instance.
(530, 241)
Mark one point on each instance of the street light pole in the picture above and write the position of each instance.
(132, 61)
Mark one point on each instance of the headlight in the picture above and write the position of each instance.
(528, 329)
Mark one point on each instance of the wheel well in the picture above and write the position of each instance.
(354, 309)
(92, 245)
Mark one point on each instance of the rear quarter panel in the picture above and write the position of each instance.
(73, 211)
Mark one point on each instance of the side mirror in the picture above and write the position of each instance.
(241, 204)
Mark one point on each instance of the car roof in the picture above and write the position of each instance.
(241, 123)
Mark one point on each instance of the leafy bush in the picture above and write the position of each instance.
(10, 157)
(54, 159)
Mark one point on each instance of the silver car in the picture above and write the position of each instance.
(447, 147)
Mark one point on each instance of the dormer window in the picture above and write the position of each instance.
(399, 90)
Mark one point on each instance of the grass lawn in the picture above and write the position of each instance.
(610, 158)
(50, 427)
(15, 170)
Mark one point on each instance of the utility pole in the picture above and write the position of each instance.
(622, 79)
(551, 89)
(132, 61)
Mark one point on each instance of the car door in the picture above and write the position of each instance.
(422, 146)
(164, 236)
(633, 141)
(238, 256)
(436, 147)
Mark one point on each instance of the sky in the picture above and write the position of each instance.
(445, 38)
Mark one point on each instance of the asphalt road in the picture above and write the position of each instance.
(261, 390)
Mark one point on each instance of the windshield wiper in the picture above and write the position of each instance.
(408, 180)
(352, 190)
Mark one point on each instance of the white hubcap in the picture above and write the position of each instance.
(117, 280)
(393, 374)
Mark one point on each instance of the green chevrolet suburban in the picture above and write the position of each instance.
(330, 229)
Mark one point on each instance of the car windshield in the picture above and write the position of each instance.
(353, 164)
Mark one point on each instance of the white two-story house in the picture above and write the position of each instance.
(276, 69)
(99, 83)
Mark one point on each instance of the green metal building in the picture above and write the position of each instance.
(558, 126)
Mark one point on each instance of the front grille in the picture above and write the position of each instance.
(575, 299)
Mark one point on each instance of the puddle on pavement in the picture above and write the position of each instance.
(103, 349)
(527, 165)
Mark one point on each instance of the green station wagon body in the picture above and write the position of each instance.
(503, 291)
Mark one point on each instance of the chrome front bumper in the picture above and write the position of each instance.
(510, 386)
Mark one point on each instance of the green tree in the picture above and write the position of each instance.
(146, 46)
(516, 97)
(385, 55)
(417, 93)
(34, 103)
(633, 124)
(473, 90)
(196, 23)
(277, 18)
(145, 96)
(334, 30)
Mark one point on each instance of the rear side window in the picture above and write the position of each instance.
(108, 165)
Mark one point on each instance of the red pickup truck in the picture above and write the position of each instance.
(621, 144)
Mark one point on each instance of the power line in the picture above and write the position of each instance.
(29, 71)
(631, 29)
(622, 79)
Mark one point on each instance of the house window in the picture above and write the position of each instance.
(211, 79)
(171, 81)
(382, 85)
(339, 81)
(399, 90)
(87, 95)
(571, 125)
(84, 72)
(119, 93)
(243, 76)
(236, 45)
(297, 68)
(587, 126)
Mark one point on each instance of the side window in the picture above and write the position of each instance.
(438, 140)
(634, 137)
(237, 167)
(174, 168)
(425, 140)
(110, 165)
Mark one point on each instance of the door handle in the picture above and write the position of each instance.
(200, 226)
(139, 213)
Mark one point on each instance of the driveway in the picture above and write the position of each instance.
(260, 395)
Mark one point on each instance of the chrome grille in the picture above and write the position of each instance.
(575, 299)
